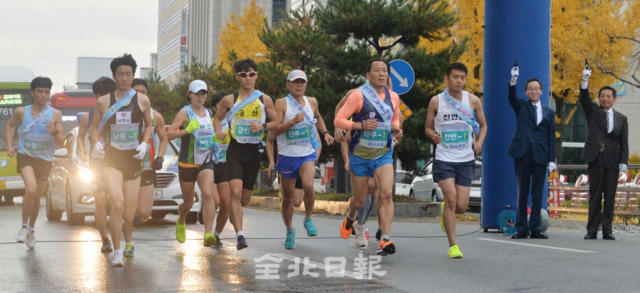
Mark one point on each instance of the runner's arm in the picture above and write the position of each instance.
(162, 135)
(82, 132)
(180, 120)
(57, 124)
(16, 118)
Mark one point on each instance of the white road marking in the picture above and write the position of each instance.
(538, 246)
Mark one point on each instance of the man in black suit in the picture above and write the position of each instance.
(606, 150)
(533, 148)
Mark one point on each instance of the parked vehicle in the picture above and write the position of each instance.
(423, 187)
(404, 179)
(70, 181)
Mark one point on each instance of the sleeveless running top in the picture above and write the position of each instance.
(38, 142)
(296, 141)
(457, 135)
(240, 129)
(196, 148)
(124, 130)
(370, 144)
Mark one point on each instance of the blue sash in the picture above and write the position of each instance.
(383, 109)
(463, 111)
(308, 121)
(237, 107)
(115, 107)
(35, 121)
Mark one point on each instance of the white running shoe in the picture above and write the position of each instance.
(31, 239)
(22, 235)
(361, 238)
(118, 259)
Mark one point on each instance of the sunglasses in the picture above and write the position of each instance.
(245, 74)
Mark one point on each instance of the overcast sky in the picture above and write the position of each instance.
(47, 36)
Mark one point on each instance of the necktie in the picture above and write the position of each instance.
(535, 109)
(608, 122)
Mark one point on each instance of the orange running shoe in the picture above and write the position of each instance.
(346, 228)
(386, 247)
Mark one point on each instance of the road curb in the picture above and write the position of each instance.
(401, 209)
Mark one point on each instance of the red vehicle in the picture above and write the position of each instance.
(73, 104)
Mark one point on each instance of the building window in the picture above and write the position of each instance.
(279, 8)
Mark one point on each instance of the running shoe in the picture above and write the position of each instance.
(22, 235)
(31, 239)
(181, 231)
(218, 242)
(361, 241)
(386, 247)
(378, 234)
(290, 241)
(128, 250)
(106, 245)
(242, 243)
(118, 260)
(346, 228)
(454, 252)
(310, 227)
(366, 234)
(209, 239)
(442, 217)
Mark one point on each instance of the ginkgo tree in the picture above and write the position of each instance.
(239, 39)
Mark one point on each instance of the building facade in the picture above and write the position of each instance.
(172, 39)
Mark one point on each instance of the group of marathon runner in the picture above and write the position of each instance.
(220, 151)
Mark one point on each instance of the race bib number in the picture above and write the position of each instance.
(124, 136)
(35, 145)
(243, 131)
(298, 135)
(222, 153)
(377, 138)
(455, 136)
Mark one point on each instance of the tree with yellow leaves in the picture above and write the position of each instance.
(239, 39)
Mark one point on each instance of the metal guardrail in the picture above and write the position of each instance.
(584, 166)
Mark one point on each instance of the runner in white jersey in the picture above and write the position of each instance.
(453, 118)
(297, 119)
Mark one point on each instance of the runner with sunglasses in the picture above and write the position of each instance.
(245, 114)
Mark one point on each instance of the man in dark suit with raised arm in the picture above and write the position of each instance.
(533, 148)
(606, 150)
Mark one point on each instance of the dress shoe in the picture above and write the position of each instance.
(590, 236)
(608, 236)
(538, 235)
(519, 236)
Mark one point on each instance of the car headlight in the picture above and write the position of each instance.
(85, 174)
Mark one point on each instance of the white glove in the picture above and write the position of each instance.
(142, 150)
(98, 151)
(551, 167)
(586, 73)
(514, 75)
(623, 168)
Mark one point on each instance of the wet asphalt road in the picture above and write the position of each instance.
(68, 259)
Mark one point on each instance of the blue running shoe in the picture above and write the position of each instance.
(290, 242)
(242, 243)
(311, 228)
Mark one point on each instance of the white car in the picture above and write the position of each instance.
(168, 194)
(70, 180)
(70, 183)
(404, 179)
(423, 187)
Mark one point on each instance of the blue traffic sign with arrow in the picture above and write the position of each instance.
(402, 76)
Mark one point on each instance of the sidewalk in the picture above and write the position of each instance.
(401, 209)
